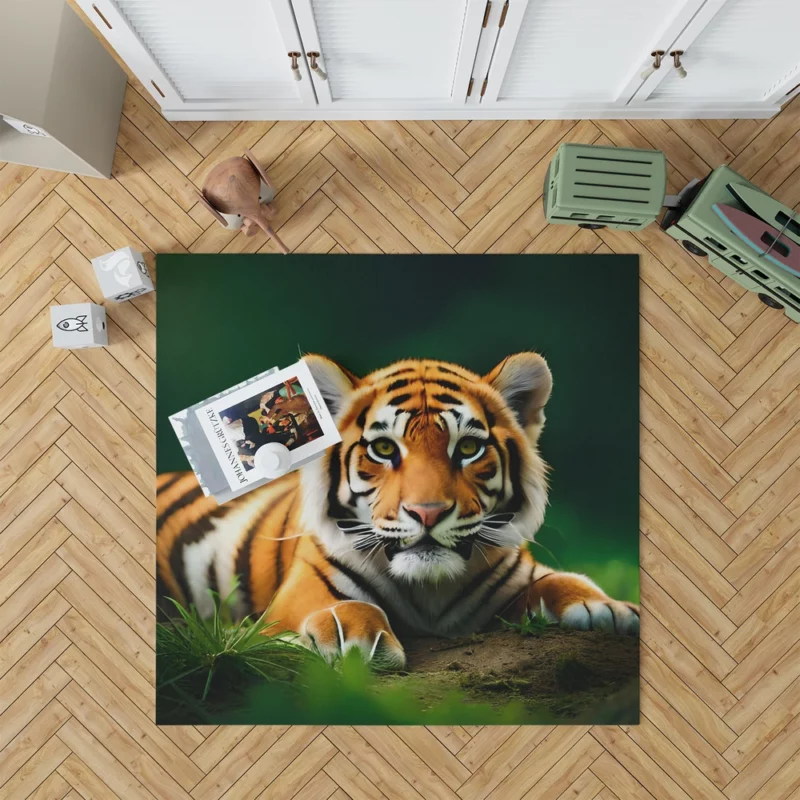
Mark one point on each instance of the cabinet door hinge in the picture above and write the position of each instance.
(469, 88)
(503, 15)
(483, 88)
(486, 13)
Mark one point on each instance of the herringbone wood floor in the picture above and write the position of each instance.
(720, 508)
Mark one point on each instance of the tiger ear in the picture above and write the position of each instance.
(334, 381)
(525, 382)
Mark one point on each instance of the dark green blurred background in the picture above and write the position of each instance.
(222, 319)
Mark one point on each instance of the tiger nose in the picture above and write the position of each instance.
(428, 513)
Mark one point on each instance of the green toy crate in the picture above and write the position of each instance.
(597, 187)
(695, 224)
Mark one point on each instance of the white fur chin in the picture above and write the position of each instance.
(427, 566)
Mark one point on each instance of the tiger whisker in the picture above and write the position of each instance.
(490, 528)
(365, 542)
(377, 548)
(514, 528)
(492, 543)
(483, 553)
(491, 536)
(372, 553)
(363, 545)
(507, 516)
(496, 521)
(356, 529)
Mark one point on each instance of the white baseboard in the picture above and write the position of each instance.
(705, 111)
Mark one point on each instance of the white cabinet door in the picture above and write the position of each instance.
(571, 54)
(391, 54)
(736, 51)
(196, 55)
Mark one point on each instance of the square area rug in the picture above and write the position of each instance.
(455, 559)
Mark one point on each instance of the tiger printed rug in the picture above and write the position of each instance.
(467, 554)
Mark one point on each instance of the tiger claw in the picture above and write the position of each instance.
(349, 625)
(606, 615)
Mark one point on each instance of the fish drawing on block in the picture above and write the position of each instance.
(763, 238)
(74, 324)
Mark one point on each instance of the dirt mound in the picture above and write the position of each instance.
(565, 672)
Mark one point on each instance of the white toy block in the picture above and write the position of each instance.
(78, 325)
(122, 274)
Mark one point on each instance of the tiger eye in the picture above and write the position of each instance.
(468, 447)
(385, 448)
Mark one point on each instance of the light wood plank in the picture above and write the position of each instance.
(437, 143)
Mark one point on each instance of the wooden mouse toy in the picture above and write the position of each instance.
(234, 195)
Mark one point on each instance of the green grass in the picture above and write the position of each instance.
(204, 662)
(218, 671)
(353, 694)
(530, 625)
(213, 673)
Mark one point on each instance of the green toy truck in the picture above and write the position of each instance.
(701, 231)
(599, 187)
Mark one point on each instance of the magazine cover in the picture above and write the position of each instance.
(284, 407)
(467, 554)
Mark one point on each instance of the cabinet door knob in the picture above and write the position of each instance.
(295, 66)
(676, 60)
(657, 56)
(312, 57)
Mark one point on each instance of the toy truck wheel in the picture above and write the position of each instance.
(769, 301)
(693, 248)
(592, 226)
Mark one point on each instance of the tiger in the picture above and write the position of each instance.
(417, 523)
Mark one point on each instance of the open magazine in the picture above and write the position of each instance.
(222, 434)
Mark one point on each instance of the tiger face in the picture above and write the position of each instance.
(437, 465)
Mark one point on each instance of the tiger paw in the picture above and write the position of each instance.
(352, 624)
(611, 616)
(576, 602)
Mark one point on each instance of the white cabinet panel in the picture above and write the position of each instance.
(207, 53)
(392, 52)
(562, 57)
(211, 49)
(578, 51)
(746, 52)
